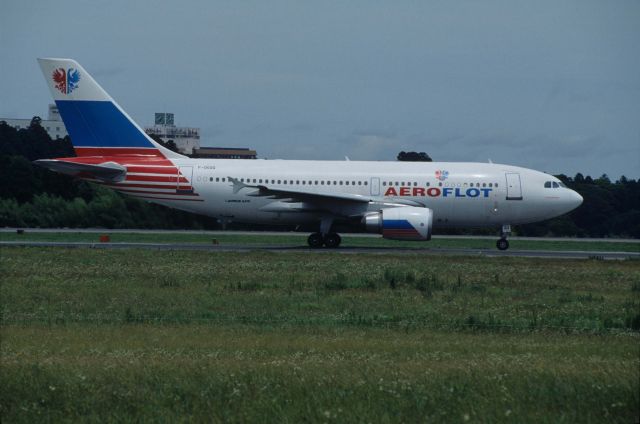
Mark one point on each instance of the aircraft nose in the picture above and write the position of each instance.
(575, 199)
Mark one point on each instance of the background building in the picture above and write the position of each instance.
(224, 153)
(186, 139)
(53, 124)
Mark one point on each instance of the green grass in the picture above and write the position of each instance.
(288, 239)
(138, 335)
(167, 373)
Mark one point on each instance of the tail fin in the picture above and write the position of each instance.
(95, 122)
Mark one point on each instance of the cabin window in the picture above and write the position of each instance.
(223, 180)
(365, 183)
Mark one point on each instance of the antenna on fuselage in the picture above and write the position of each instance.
(490, 161)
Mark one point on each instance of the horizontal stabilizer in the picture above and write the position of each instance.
(106, 171)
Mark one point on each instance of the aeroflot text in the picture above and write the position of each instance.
(438, 192)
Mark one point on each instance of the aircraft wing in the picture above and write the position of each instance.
(315, 200)
(107, 171)
(296, 195)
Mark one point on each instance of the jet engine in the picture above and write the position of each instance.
(401, 223)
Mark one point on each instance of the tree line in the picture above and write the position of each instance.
(31, 196)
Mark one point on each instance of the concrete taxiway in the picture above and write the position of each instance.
(556, 254)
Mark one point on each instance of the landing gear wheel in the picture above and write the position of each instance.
(315, 240)
(332, 240)
(502, 244)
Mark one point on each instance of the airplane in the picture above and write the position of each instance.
(400, 200)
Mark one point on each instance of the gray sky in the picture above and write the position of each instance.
(549, 85)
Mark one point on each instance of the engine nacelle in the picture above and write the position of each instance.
(402, 223)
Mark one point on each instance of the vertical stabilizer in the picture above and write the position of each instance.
(95, 122)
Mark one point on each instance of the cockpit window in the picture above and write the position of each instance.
(554, 184)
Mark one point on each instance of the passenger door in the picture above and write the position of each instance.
(184, 187)
(514, 187)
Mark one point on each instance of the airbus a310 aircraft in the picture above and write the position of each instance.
(400, 200)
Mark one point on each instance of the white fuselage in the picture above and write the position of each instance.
(402, 200)
(459, 194)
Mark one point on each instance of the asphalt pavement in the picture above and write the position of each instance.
(557, 254)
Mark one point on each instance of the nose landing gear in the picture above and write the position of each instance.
(503, 243)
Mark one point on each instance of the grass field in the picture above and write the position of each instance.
(300, 239)
(261, 337)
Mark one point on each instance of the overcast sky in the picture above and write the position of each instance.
(549, 85)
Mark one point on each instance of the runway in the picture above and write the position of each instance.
(289, 233)
(555, 254)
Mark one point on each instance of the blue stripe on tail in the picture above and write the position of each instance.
(99, 124)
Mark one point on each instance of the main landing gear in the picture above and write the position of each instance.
(330, 240)
(324, 237)
(503, 243)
